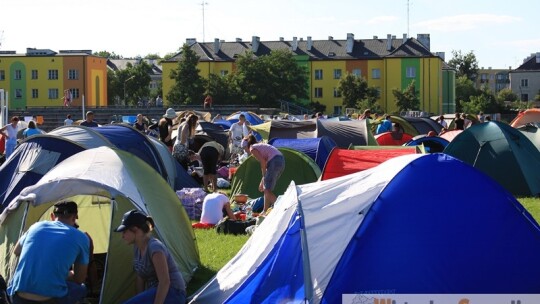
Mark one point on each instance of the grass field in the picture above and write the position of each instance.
(217, 249)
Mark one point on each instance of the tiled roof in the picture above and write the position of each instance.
(530, 64)
(320, 50)
(121, 64)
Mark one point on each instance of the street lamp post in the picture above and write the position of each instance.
(125, 81)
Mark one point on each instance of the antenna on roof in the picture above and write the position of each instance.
(408, 34)
(203, 5)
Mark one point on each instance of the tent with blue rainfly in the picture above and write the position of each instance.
(432, 144)
(365, 232)
(501, 152)
(123, 137)
(251, 117)
(32, 159)
(105, 183)
(317, 148)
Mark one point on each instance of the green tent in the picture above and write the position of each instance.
(105, 183)
(532, 131)
(501, 152)
(299, 168)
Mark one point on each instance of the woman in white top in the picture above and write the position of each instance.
(10, 131)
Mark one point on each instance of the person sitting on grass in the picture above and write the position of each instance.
(215, 207)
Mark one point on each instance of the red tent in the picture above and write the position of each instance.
(342, 161)
(392, 138)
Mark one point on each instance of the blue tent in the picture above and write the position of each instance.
(31, 160)
(432, 144)
(316, 148)
(376, 231)
(251, 117)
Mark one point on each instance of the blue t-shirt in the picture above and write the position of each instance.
(384, 126)
(29, 132)
(49, 249)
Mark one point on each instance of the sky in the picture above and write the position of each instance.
(501, 33)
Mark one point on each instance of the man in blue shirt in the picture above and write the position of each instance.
(46, 253)
(89, 122)
(385, 125)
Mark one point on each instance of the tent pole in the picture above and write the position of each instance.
(308, 284)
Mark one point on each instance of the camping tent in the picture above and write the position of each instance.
(286, 129)
(525, 117)
(121, 136)
(392, 138)
(532, 131)
(105, 183)
(368, 232)
(501, 152)
(298, 167)
(251, 117)
(316, 148)
(432, 144)
(346, 133)
(417, 125)
(450, 135)
(342, 161)
(31, 160)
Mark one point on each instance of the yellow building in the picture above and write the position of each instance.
(42, 78)
(387, 64)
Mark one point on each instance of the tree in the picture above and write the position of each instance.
(268, 79)
(316, 107)
(222, 89)
(152, 56)
(356, 93)
(137, 89)
(506, 95)
(407, 100)
(189, 85)
(485, 102)
(464, 90)
(465, 65)
(108, 55)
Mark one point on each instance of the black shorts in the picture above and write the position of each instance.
(209, 158)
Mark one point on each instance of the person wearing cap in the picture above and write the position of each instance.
(158, 278)
(272, 164)
(165, 128)
(46, 253)
(89, 122)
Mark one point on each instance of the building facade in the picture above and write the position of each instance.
(386, 63)
(493, 79)
(525, 80)
(42, 78)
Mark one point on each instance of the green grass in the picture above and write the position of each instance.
(217, 249)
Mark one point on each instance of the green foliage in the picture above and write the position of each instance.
(537, 97)
(189, 85)
(356, 93)
(464, 90)
(107, 54)
(506, 95)
(465, 65)
(268, 79)
(152, 56)
(316, 107)
(407, 100)
(483, 102)
(223, 89)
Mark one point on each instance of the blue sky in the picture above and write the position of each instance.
(501, 33)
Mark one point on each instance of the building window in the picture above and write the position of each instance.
(224, 72)
(53, 74)
(53, 93)
(18, 74)
(524, 83)
(2, 75)
(318, 74)
(410, 72)
(318, 92)
(337, 73)
(74, 93)
(337, 110)
(34, 74)
(524, 97)
(375, 73)
(337, 93)
(35, 93)
(357, 72)
(72, 75)
(18, 93)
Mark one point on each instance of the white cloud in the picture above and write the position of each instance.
(465, 22)
(382, 19)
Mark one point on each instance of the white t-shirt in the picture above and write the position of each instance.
(212, 208)
(238, 132)
(68, 122)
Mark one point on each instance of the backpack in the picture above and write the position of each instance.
(227, 226)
